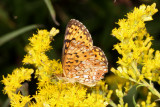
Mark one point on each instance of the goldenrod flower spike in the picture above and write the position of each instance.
(37, 48)
(138, 61)
(136, 53)
(50, 91)
(13, 83)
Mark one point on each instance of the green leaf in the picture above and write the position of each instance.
(140, 86)
(51, 10)
(7, 37)
(134, 102)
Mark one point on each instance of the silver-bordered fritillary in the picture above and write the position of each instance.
(82, 62)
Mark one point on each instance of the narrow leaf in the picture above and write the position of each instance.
(7, 37)
(51, 10)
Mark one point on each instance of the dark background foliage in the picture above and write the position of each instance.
(99, 16)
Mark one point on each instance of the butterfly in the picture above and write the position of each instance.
(81, 61)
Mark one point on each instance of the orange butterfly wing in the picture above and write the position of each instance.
(82, 62)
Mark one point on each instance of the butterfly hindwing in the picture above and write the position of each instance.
(85, 67)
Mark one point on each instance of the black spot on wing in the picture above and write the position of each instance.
(69, 62)
(77, 56)
(76, 61)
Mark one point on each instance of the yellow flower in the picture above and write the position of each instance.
(135, 48)
(148, 102)
(63, 94)
(50, 91)
(138, 60)
(39, 44)
(120, 95)
(13, 83)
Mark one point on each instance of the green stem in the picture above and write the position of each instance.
(112, 103)
(151, 88)
(134, 66)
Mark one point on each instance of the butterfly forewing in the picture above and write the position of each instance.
(82, 62)
(76, 31)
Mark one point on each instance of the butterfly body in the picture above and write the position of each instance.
(82, 62)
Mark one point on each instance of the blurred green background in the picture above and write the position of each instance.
(19, 19)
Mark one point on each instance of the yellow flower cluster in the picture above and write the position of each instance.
(39, 44)
(13, 83)
(138, 61)
(120, 95)
(148, 102)
(50, 92)
(137, 64)
(67, 95)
